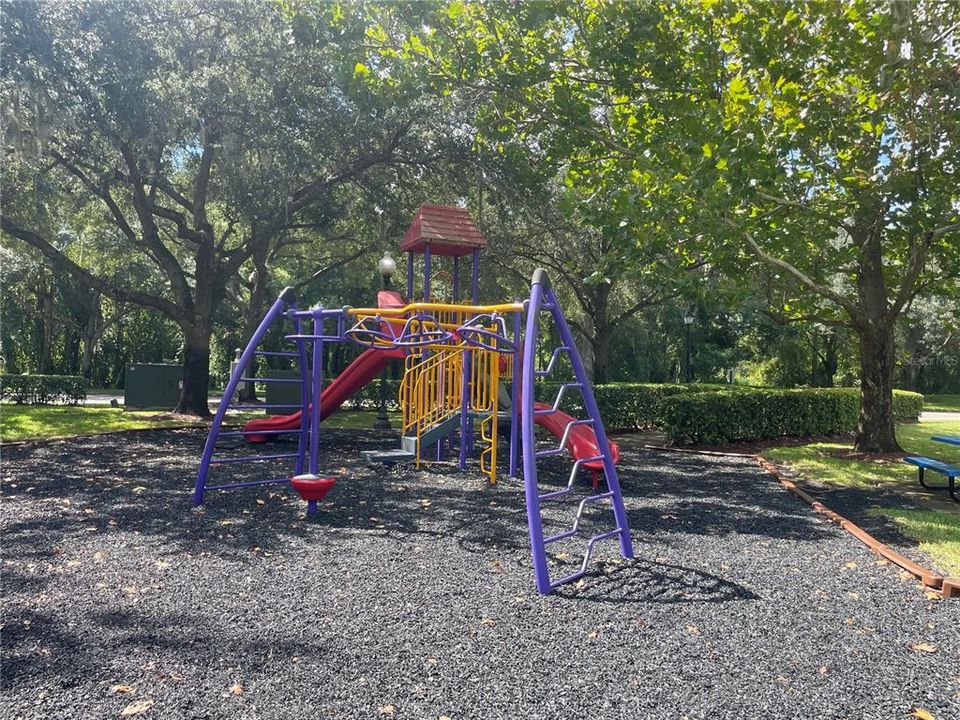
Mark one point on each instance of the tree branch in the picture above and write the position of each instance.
(120, 294)
(804, 279)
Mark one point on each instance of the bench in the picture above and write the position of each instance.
(951, 471)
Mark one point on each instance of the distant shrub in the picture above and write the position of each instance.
(43, 389)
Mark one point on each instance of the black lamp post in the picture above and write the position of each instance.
(386, 266)
(688, 321)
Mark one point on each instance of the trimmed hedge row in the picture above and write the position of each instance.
(43, 389)
(756, 414)
(368, 397)
(627, 406)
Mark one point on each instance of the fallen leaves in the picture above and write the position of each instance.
(136, 708)
(693, 629)
(236, 689)
(488, 621)
(388, 710)
(922, 647)
(921, 713)
(122, 689)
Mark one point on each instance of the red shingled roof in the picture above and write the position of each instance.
(449, 231)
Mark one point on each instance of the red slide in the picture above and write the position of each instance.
(356, 375)
(581, 441)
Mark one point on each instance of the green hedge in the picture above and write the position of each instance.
(368, 397)
(721, 417)
(627, 406)
(43, 389)
(907, 405)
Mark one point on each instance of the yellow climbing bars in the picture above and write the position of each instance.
(430, 391)
(484, 394)
(432, 388)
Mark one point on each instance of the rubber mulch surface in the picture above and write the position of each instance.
(411, 596)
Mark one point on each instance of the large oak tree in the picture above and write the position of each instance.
(207, 134)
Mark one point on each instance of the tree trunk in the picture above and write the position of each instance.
(831, 359)
(194, 394)
(875, 428)
(91, 333)
(47, 328)
(254, 314)
(601, 354)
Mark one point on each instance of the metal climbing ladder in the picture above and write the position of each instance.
(544, 300)
(282, 309)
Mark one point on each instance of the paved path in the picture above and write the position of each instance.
(938, 416)
(412, 597)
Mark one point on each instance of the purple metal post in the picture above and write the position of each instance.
(515, 398)
(475, 278)
(456, 278)
(590, 405)
(302, 437)
(537, 551)
(316, 383)
(287, 297)
(426, 272)
(409, 277)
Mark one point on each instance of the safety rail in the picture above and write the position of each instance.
(429, 391)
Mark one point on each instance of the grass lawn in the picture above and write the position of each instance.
(35, 422)
(41, 422)
(833, 462)
(936, 532)
(942, 403)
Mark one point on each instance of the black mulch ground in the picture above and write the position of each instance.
(412, 597)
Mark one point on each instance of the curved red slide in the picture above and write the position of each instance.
(581, 441)
(356, 376)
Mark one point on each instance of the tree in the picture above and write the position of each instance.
(207, 134)
(806, 144)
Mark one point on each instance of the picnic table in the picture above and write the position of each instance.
(951, 472)
(949, 439)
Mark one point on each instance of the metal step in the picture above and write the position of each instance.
(434, 433)
(386, 457)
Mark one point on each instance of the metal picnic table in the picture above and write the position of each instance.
(949, 439)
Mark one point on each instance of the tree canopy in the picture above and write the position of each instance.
(788, 168)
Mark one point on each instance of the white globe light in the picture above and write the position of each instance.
(387, 266)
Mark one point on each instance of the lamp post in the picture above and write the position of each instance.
(688, 321)
(386, 266)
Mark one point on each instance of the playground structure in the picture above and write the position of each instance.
(459, 359)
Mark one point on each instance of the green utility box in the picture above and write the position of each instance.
(152, 386)
(282, 393)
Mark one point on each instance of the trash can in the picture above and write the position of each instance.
(152, 386)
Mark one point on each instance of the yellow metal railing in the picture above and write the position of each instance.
(432, 385)
(430, 391)
(467, 310)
